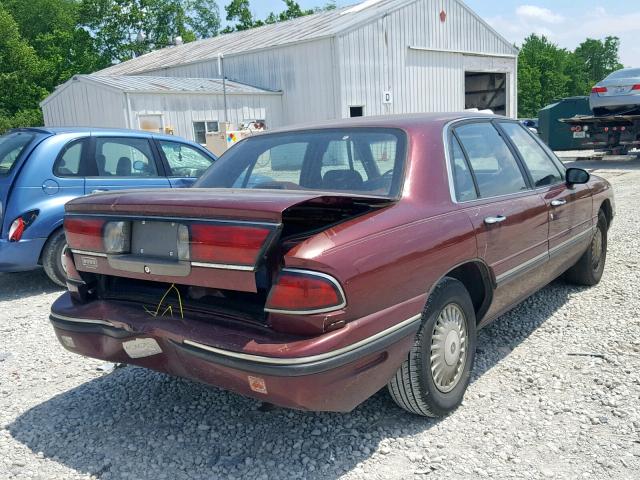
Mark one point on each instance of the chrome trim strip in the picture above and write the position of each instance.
(85, 252)
(320, 310)
(522, 266)
(303, 360)
(222, 266)
(537, 258)
(82, 320)
(171, 219)
(572, 240)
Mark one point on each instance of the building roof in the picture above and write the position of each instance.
(310, 27)
(167, 85)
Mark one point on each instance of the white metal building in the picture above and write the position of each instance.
(377, 57)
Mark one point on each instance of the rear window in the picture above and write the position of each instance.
(11, 147)
(625, 73)
(360, 161)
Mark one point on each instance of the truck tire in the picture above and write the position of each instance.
(588, 270)
(52, 258)
(432, 380)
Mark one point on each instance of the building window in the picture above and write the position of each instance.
(200, 130)
(356, 111)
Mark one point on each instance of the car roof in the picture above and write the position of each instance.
(121, 132)
(403, 121)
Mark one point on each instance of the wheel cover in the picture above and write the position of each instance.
(596, 249)
(62, 262)
(448, 348)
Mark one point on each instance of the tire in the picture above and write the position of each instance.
(413, 387)
(52, 258)
(588, 270)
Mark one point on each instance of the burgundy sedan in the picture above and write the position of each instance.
(311, 267)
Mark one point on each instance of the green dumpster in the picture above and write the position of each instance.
(558, 135)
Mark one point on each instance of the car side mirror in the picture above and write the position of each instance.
(577, 176)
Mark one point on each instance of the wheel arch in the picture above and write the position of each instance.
(476, 278)
(55, 231)
(607, 209)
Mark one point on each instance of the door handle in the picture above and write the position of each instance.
(98, 190)
(494, 220)
(558, 203)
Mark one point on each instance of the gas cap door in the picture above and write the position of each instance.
(50, 187)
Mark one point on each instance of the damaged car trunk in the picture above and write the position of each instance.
(221, 253)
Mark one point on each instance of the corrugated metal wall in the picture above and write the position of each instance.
(304, 72)
(86, 104)
(180, 111)
(399, 53)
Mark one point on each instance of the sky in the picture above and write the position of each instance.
(565, 22)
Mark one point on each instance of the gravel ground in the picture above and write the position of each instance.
(533, 410)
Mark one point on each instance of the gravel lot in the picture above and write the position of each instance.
(534, 408)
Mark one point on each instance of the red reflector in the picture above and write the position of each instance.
(227, 244)
(304, 292)
(606, 129)
(599, 90)
(16, 230)
(636, 87)
(84, 233)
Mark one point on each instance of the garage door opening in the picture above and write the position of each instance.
(486, 91)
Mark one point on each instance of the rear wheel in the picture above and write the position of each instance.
(52, 258)
(588, 270)
(432, 380)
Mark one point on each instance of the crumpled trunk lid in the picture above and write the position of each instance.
(156, 217)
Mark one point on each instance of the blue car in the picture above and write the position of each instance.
(41, 169)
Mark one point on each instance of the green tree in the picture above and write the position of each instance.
(238, 11)
(541, 74)
(126, 28)
(20, 72)
(52, 28)
(597, 59)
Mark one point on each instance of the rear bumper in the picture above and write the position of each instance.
(337, 379)
(615, 102)
(20, 256)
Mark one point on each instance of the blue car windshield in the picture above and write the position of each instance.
(361, 161)
(11, 147)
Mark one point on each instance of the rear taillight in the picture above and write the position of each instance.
(20, 224)
(599, 90)
(16, 230)
(636, 87)
(84, 233)
(305, 292)
(225, 244)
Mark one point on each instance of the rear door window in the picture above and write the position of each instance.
(183, 160)
(542, 169)
(124, 157)
(462, 178)
(11, 147)
(68, 163)
(496, 169)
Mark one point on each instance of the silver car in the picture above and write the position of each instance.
(620, 91)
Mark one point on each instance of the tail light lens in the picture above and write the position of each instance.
(84, 233)
(599, 90)
(16, 230)
(20, 224)
(117, 237)
(305, 292)
(636, 87)
(225, 244)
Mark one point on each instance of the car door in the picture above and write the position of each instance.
(569, 206)
(119, 163)
(508, 216)
(184, 163)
